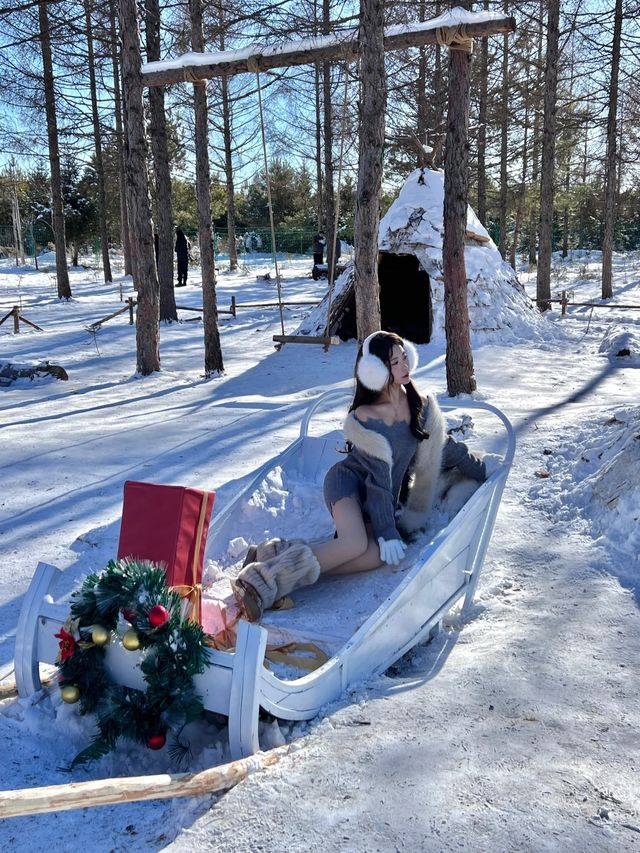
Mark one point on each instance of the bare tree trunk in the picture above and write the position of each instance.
(422, 115)
(543, 289)
(610, 167)
(319, 191)
(231, 202)
(17, 225)
(565, 210)
(97, 139)
(329, 195)
(212, 350)
(504, 148)
(567, 172)
(620, 152)
(535, 157)
(482, 128)
(373, 101)
(439, 96)
(459, 358)
(160, 151)
(124, 216)
(57, 209)
(143, 259)
(520, 204)
(228, 162)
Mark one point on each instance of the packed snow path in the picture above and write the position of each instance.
(418, 760)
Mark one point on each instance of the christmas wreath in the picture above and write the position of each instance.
(130, 602)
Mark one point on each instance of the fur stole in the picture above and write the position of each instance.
(367, 440)
(425, 470)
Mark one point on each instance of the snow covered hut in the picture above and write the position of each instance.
(410, 273)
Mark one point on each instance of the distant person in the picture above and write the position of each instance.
(318, 248)
(338, 249)
(182, 254)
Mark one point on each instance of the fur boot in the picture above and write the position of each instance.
(290, 569)
(264, 551)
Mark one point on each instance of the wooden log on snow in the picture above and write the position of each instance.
(343, 46)
(275, 304)
(11, 373)
(333, 340)
(129, 307)
(10, 689)
(128, 789)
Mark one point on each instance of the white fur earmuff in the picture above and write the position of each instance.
(373, 373)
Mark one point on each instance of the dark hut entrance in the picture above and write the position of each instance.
(405, 300)
(405, 297)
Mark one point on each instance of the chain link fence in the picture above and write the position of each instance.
(292, 241)
(36, 237)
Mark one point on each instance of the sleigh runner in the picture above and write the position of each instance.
(400, 609)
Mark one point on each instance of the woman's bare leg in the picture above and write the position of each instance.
(353, 550)
(370, 559)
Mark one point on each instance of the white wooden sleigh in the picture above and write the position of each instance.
(442, 570)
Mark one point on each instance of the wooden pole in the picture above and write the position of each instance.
(106, 792)
(459, 357)
(345, 45)
(131, 301)
(16, 320)
(29, 323)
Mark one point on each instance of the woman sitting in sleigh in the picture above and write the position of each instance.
(381, 493)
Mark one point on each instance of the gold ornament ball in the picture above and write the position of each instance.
(100, 635)
(131, 640)
(70, 694)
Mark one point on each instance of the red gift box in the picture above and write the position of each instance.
(168, 525)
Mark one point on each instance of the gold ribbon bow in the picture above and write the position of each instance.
(193, 592)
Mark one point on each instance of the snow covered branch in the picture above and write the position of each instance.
(453, 28)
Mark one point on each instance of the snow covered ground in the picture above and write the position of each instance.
(518, 730)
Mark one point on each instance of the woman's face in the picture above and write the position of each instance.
(399, 364)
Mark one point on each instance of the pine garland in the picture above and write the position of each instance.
(131, 598)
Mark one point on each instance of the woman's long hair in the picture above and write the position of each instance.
(382, 347)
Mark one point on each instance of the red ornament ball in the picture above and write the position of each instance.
(156, 741)
(158, 615)
(129, 615)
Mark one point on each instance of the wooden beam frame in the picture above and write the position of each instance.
(455, 29)
(192, 67)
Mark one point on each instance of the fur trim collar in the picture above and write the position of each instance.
(432, 419)
(367, 440)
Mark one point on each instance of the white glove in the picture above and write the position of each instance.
(492, 461)
(391, 551)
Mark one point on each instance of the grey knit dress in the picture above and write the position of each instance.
(376, 483)
(369, 480)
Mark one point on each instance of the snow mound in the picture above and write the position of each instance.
(609, 491)
(622, 342)
(596, 477)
